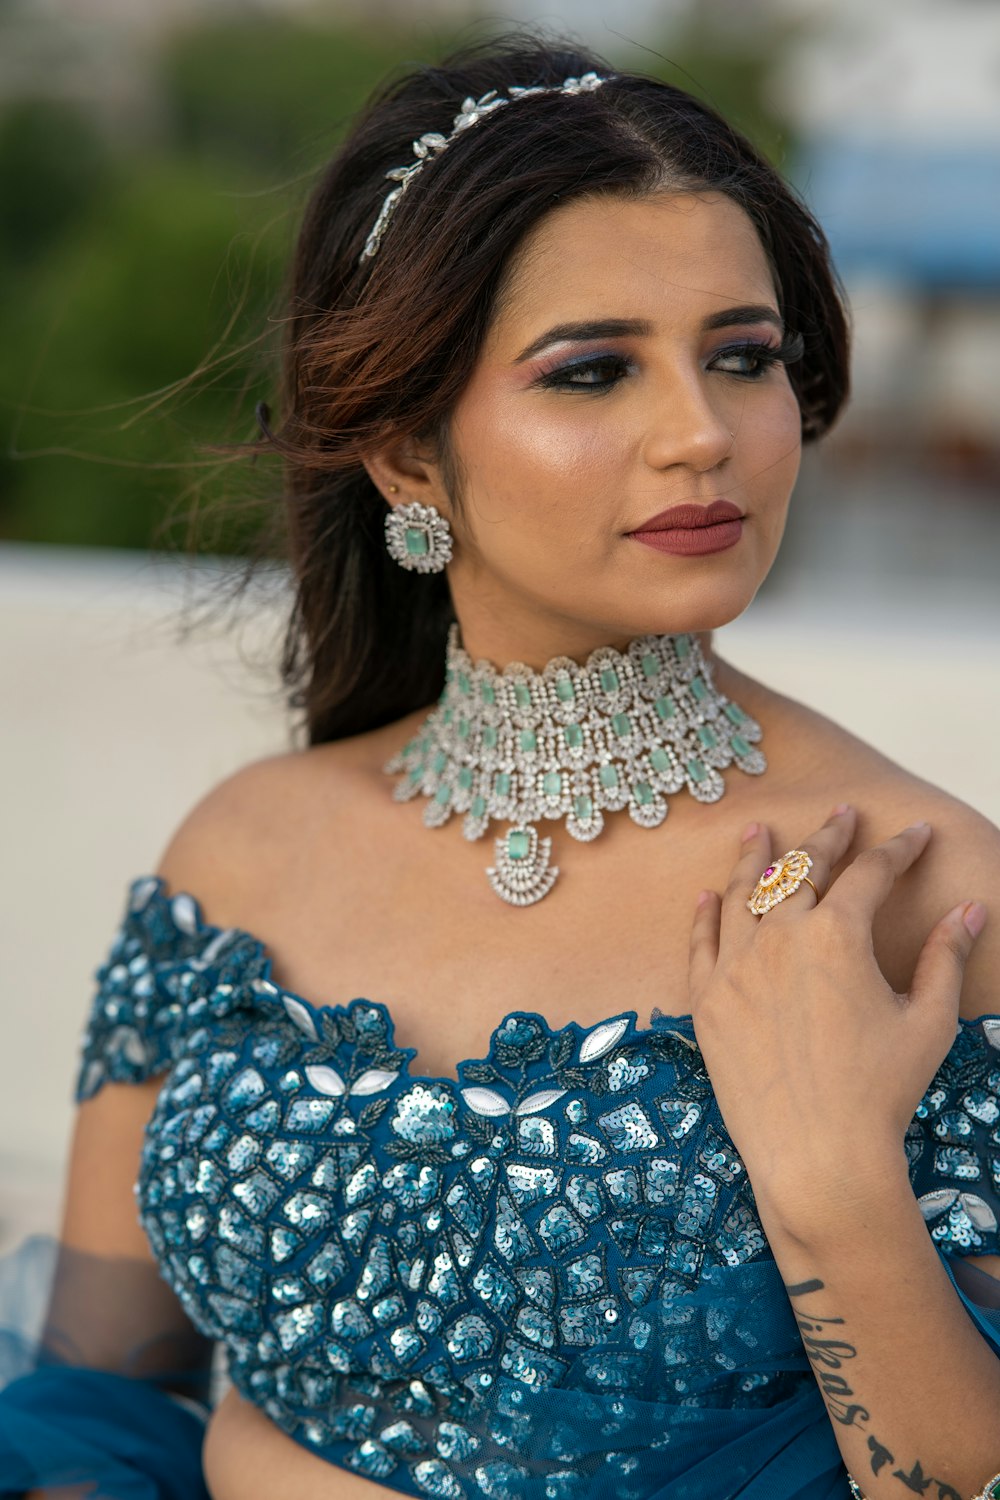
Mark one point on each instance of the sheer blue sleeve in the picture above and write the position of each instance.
(102, 1383)
(117, 1438)
(105, 1383)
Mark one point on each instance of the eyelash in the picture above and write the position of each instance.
(766, 356)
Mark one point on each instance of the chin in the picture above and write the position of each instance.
(708, 607)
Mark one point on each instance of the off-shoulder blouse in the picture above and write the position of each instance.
(546, 1277)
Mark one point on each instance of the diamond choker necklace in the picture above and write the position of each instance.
(572, 742)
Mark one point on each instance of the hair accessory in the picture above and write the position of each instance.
(433, 143)
(418, 537)
(572, 742)
(989, 1491)
(781, 879)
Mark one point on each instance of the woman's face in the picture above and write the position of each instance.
(630, 369)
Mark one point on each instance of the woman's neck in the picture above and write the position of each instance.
(498, 644)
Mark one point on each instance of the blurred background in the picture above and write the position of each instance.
(154, 160)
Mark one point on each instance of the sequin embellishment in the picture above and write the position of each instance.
(399, 1265)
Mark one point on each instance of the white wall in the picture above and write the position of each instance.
(110, 729)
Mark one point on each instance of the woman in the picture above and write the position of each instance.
(711, 1209)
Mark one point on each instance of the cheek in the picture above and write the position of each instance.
(785, 429)
(772, 446)
(520, 457)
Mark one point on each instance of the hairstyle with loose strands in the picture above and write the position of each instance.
(382, 347)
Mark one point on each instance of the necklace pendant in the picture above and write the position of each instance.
(523, 872)
(625, 731)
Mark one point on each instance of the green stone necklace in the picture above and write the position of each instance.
(626, 730)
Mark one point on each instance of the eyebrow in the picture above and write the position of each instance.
(610, 328)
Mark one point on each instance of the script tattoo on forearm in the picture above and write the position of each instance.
(828, 1354)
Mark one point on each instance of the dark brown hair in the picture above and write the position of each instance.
(383, 347)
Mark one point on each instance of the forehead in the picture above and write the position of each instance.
(672, 258)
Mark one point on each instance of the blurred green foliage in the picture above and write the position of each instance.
(265, 93)
(140, 271)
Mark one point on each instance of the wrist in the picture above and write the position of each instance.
(821, 1200)
(989, 1491)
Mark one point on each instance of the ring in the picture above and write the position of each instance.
(781, 879)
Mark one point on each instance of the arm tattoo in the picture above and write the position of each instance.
(828, 1354)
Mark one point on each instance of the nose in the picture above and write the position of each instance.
(690, 425)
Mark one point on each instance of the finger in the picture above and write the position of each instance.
(870, 877)
(825, 848)
(737, 924)
(703, 953)
(941, 963)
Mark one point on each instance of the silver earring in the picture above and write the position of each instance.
(418, 537)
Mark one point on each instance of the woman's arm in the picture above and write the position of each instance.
(818, 1068)
(110, 1307)
(246, 1457)
(912, 1389)
(110, 1312)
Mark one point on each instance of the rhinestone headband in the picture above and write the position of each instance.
(433, 143)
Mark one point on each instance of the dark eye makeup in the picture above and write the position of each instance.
(748, 359)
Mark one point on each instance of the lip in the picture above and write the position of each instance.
(692, 530)
(690, 517)
(692, 541)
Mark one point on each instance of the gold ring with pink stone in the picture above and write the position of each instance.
(782, 878)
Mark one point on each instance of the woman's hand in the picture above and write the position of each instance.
(817, 1065)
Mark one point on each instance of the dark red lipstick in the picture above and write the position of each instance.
(691, 530)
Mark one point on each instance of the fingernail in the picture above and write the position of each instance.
(703, 898)
(841, 807)
(974, 918)
(918, 827)
(750, 832)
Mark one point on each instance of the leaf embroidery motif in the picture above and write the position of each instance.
(602, 1039)
(991, 1030)
(184, 913)
(535, 1103)
(481, 1073)
(373, 1081)
(325, 1080)
(978, 1211)
(300, 1015)
(486, 1101)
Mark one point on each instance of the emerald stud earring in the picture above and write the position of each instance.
(418, 537)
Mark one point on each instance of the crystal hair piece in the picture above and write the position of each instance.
(433, 143)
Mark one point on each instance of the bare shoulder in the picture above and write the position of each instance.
(960, 863)
(256, 824)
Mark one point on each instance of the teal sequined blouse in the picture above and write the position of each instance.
(547, 1278)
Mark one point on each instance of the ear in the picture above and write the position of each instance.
(405, 470)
